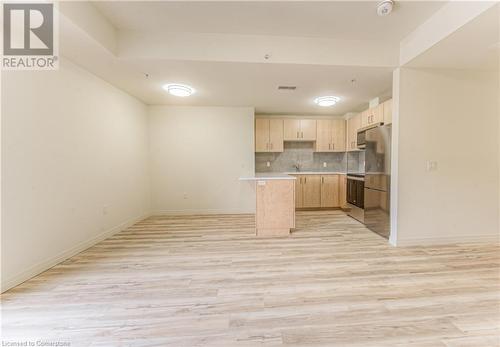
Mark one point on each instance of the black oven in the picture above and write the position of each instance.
(356, 191)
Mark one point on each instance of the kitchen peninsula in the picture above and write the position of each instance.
(275, 204)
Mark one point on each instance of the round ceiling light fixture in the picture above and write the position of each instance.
(385, 7)
(179, 89)
(326, 101)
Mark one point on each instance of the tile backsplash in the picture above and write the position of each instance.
(356, 161)
(302, 154)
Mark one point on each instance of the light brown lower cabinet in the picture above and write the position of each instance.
(311, 191)
(330, 191)
(299, 191)
(343, 191)
(315, 191)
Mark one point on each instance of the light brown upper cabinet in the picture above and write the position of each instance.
(276, 135)
(261, 135)
(330, 191)
(268, 135)
(300, 130)
(353, 124)
(330, 135)
(387, 111)
(373, 115)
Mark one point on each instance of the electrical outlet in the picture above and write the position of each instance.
(432, 165)
(324, 164)
(268, 163)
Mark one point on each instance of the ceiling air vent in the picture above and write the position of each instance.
(287, 87)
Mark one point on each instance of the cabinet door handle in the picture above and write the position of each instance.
(329, 146)
(302, 134)
(305, 179)
(333, 146)
(322, 180)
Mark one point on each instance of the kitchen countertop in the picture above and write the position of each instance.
(314, 173)
(268, 176)
(288, 175)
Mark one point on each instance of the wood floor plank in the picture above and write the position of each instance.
(205, 280)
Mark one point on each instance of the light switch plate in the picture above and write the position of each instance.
(268, 163)
(432, 165)
(324, 164)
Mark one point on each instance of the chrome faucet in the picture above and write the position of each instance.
(297, 167)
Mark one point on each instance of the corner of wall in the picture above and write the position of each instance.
(45, 265)
(393, 238)
(498, 113)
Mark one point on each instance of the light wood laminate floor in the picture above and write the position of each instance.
(207, 281)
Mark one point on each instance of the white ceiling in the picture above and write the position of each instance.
(348, 20)
(249, 84)
(229, 74)
(476, 45)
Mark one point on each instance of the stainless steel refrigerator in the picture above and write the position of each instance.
(378, 180)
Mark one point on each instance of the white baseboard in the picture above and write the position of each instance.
(428, 241)
(201, 211)
(51, 262)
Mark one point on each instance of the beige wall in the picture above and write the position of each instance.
(197, 155)
(448, 116)
(74, 166)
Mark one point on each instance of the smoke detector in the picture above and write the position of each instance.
(385, 7)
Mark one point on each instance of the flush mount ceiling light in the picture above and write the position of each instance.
(326, 101)
(179, 89)
(385, 7)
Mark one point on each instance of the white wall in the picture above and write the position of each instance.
(448, 116)
(498, 96)
(197, 155)
(393, 237)
(72, 147)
